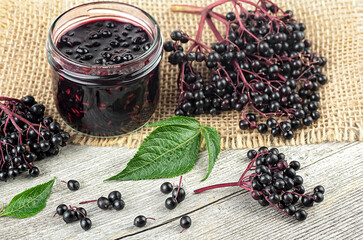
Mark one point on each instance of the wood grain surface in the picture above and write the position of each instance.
(228, 213)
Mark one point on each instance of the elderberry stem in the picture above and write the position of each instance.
(11, 99)
(214, 30)
(186, 8)
(180, 179)
(10, 114)
(234, 184)
(84, 202)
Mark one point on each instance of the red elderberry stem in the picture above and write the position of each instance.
(180, 179)
(233, 184)
(214, 30)
(11, 99)
(10, 116)
(84, 202)
(75, 209)
(151, 218)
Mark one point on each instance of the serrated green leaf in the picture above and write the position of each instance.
(30, 202)
(178, 120)
(213, 143)
(167, 152)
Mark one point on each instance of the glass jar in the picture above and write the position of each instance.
(104, 100)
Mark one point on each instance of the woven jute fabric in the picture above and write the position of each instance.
(332, 25)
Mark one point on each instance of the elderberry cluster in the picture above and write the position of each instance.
(275, 182)
(72, 214)
(26, 136)
(177, 195)
(113, 201)
(263, 65)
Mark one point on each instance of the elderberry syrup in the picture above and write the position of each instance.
(105, 59)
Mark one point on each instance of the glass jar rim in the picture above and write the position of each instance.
(155, 43)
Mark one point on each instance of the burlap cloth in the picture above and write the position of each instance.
(332, 25)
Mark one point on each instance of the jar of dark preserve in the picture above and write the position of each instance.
(105, 60)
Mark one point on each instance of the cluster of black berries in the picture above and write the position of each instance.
(272, 180)
(275, 182)
(112, 201)
(26, 136)
(72, 214)
(263, 65)
(177, 195)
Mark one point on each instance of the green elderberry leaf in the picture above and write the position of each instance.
(177, 121)
(30, 202)
(213, 143)
(169, 151)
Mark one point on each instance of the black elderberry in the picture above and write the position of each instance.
(300, 189)
(265, 178)
(86, 223)
(140, 221)
(81, 213)
(300, 215)
(118, 204)
(274, 151)
(34, 172)
(272, 159)
(307, 201)
(256, 185)
(230, 16)
(290, 210)
(54, 127)
(295, 165)
(251, 154)
(307, 121)
(180, 196)
(166, 187)
(274, 198)
(28, 100)
(103, 203)
(289, 183)
(73, 185)
(171, 203)
(262, 128)
(319, 189)
(298, 180)
(276, 131)
(263, 202)
(185, 222)
(3, 176)
(256, 195)
(244, 124)
(176, 35)
(12, 172)
(318, 197)
(295, 198)
(112, 196)
(70, 216)
(61, 209)
(263, 149)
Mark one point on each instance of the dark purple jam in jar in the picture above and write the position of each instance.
(105, 58)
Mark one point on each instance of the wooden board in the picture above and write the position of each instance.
(228, 213)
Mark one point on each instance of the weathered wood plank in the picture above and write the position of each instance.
(216, 214)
